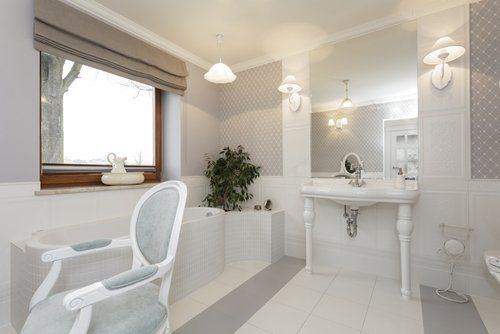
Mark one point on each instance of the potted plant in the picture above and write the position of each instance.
(230, 176)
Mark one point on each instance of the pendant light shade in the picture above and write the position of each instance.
(220, 73)
(347, 104)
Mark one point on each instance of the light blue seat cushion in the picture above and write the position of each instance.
(136, 311)
(154, 224)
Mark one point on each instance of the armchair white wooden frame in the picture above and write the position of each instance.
(81, 300)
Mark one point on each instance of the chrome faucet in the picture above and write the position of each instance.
(357, 181)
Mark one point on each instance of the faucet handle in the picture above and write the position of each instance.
(399, 169)
(358, 167)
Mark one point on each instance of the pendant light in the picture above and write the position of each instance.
(220, 73)
(346, 104)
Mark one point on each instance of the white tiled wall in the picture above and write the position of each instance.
(255, 235)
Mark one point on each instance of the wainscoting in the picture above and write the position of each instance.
(375, 250)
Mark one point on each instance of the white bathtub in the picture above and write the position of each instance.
(200, 257)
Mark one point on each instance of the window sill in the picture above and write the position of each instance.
(90, 189)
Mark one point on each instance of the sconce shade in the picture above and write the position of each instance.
(220, 73)
(338, 124)
(444, 50)
(290, 85)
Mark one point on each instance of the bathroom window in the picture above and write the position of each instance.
(86, 114)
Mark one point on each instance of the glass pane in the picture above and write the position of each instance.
(88, 113)
(400, 154)
(412, 154)
(412, 139)
(412, 168)
(400, 140)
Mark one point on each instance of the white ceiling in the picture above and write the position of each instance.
(259, 30)
(381, 66)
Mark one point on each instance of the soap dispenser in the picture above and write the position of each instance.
(399, 182)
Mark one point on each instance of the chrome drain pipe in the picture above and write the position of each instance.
(351, 220)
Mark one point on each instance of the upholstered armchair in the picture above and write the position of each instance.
(129, 302)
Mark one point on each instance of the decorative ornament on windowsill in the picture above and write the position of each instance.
(220, 73)
(119, 175)
(445, 50)
(291, 86)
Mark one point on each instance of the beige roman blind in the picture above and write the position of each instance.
(64, 31)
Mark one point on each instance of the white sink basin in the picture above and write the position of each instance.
(372, 192)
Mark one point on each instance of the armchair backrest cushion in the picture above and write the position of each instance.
(156, 215)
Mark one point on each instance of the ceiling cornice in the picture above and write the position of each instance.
(120, 22)
(334, 107)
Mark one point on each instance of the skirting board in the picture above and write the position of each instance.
(471, 278)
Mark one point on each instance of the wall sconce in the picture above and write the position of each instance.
(292, 87)
(338, 124)
(445, 50)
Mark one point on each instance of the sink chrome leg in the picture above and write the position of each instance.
(308, 223)
(405, 229)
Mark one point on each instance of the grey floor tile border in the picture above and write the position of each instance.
(443, 317)
(232, 311)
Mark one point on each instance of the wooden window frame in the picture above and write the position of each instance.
(83, 179)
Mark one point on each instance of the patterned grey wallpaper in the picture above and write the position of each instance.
(251, 116)
(363, 135)
(485, 90)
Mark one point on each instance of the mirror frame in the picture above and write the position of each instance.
(343, 170)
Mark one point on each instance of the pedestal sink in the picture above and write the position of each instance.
(372, 192)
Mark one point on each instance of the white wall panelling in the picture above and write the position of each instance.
(455, 24)
(443, 145)
(297, 125)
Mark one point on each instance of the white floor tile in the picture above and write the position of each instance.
(250, 329)
(391, 302)
(318, 281)
(317, 325)
(484, 304)
(234, 276)
(183, 311)
(298, 297)
(380, 322)
(356, 278)
(341, 311)
(278, 318)
(489, 310)
(211, 292)
(251, 266)
(359, 293)
(391, 285)
(7, 330)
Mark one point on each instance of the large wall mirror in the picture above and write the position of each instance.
(364, 97)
